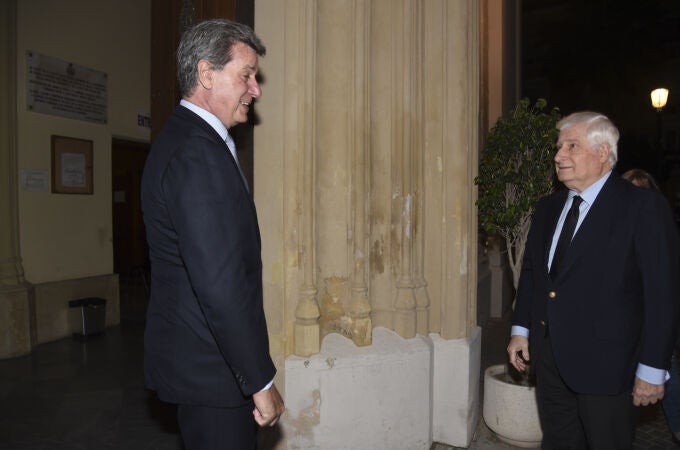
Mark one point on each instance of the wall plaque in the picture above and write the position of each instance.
(65, 89)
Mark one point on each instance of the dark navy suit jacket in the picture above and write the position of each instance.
(206, 339)
(615, 301)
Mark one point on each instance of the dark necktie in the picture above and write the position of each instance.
(565, 236)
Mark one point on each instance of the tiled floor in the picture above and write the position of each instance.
(71, 395)
(89, 395)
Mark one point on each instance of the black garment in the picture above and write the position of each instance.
(208, 428)
(566, 235)
(573, 421)
(206, 340)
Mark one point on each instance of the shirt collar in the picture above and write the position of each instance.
(209, 117)
(590, 193)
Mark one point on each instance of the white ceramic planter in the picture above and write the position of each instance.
(510, 410)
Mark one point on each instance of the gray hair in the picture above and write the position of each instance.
(600, 131)
(212, 41)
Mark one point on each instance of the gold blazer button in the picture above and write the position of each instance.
(552, 294)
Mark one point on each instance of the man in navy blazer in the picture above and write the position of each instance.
(206, 346)
(600, 314)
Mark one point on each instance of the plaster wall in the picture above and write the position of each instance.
(70, 236)
(58, 247)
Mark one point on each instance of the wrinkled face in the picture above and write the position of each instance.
(231, 91)
(578, 165)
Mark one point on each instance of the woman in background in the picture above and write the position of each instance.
(641, 178)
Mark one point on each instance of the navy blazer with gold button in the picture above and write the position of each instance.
(206, 339)
(615, 302)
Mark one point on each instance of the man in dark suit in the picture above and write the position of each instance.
(206, 347)
(597, 297)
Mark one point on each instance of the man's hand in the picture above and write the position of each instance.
(517, 345)
(645, 393)
(268, 407)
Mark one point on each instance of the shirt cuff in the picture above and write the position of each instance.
(268, 386)
(651, 375)
(516, 330)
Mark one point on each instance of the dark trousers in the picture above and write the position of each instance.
(573, 421)
(671, 398)
(207, 428)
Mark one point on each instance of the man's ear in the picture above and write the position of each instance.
(205, 74)
(604, 152)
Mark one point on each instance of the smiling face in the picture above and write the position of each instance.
(578, 165)
(229, 93)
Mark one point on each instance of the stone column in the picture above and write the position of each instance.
(452, 141)
(364, 168)
(451, 135)
(300, 48)
(16, 295)
(359, 307)
(369, 142)
(404, 69)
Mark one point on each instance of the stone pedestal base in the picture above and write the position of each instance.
(17, 332)
(397, 394)
(455, 382)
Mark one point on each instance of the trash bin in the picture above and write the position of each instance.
(90, 315)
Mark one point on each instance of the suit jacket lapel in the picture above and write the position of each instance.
(194, 118)
(198, 121)
(595, 226)
(553, 212)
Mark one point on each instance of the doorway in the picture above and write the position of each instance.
(130, 250)
(169, 19)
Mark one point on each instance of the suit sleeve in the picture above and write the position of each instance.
(218, 240)
(656, 247)
(525, 288)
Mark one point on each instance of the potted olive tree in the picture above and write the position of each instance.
(515, 170)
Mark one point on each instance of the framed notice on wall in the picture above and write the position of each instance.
(71, 165)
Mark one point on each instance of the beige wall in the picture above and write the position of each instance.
(70, 236)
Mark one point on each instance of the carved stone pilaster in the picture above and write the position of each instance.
(418, 146)
(360, 316)
(11, 269)
(359, 307)
(17, 309)
(332, 307)
(405, 311)
(422, 308)
(307, 329)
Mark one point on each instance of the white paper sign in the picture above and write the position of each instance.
(34, 180)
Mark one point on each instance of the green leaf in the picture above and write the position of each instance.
(518, 159)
